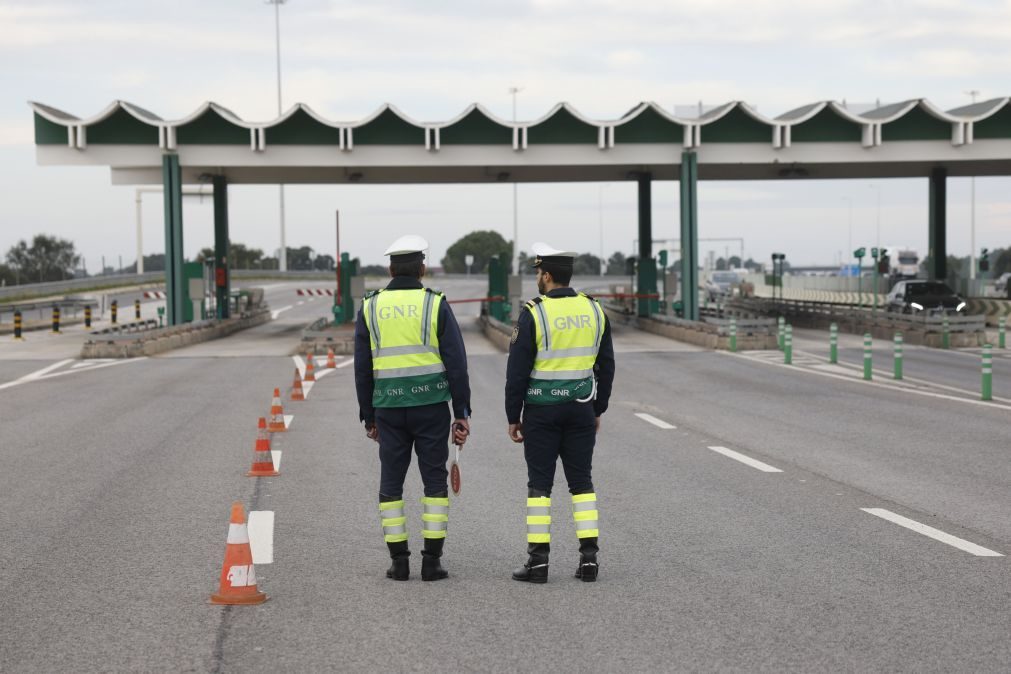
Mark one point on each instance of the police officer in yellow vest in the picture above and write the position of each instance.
(558, 382)
(410, 363)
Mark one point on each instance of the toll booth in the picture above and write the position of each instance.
(498, 286)
(350, 285)
(194, 292)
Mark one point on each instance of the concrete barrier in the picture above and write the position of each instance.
(322, 335)
(160, 340)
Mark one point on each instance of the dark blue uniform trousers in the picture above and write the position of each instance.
(425, 429)
(568, 431)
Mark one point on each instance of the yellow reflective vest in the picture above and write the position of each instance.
(568, 331)
(403, 332)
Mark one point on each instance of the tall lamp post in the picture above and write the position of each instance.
(516, 227)
(973, 93)
(600, 221)
(849, 204)
(283, 257)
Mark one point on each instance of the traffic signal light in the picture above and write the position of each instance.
(883, 264)
(663, 258)
(984, 260)
(630, 266)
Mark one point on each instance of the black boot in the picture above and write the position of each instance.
(400, 569)
(588, 566)
(431, 567)
(536, 568)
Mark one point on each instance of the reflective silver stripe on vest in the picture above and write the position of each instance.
(426, 318)
(435, 526)
(409, 371)
(373, 320)
(538, 511)
(568, 353)
(545, 329)
(436, 509)
(586, 505)
(539, 528)
(600, 322)
(403, 350)
(566, 374)
(585, 524)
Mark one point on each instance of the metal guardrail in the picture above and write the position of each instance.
(844, 312)
(96, 282)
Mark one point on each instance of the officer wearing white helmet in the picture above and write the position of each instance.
(410, 364)
(558, 383)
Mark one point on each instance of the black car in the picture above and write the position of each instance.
(927, 297)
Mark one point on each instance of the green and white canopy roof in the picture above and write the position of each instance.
(733, 141)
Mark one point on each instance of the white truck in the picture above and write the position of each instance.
(903, 263)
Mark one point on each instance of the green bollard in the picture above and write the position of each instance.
(833, 343)
(867, 356)
(782, 332)
(788, 346)
(898, 355)
(1001, 329)
(945, 334)
(987, 372)
(733, 333)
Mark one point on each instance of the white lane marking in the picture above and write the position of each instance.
(288, 418)
(931, 532)
(300, 303)
(306, 387)
(38, 377)
(747, 460)
(659, 423)
(261, 536)
(347, 362)
(275, 456)
(858, 380)
(299, 365)
(89, 363)
(322, 373)
(277, 312)
(46, 370)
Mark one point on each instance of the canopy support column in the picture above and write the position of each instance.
(688, 183)
(937, 246)
(173, 195)
(646, 283)
(222, 272)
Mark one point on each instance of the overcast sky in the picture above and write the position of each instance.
(431, 58)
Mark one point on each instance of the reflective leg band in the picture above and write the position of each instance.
(435, 519)
(394, 521)
(584, 512)
(539, 519)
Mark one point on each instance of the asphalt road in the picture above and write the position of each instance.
(118, 479)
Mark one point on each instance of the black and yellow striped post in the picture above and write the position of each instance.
(87, 316)
(136, 310)
(56, 319)
(115, 310)
(17, 325)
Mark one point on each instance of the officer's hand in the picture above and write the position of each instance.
(372, 431)
(461, 431)
(596, 425)
(516, 432)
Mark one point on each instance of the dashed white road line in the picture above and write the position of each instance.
(931, 532)
(659, 423)
(260, 527)
(747, 460)
(277, 312)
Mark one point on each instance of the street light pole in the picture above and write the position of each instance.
(600, 220)
(849, 203)
(516, 227)
(973, 93)
(283, 256)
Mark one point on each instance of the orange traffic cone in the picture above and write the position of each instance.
(276, 414)
(310, 368)
(263, 460)
(238, 576)
(330, 362)
(296, 387)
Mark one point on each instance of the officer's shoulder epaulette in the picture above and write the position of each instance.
(372, 293)
(434, 291)
(530, 304)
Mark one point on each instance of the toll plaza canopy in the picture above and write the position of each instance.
(823, 140)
